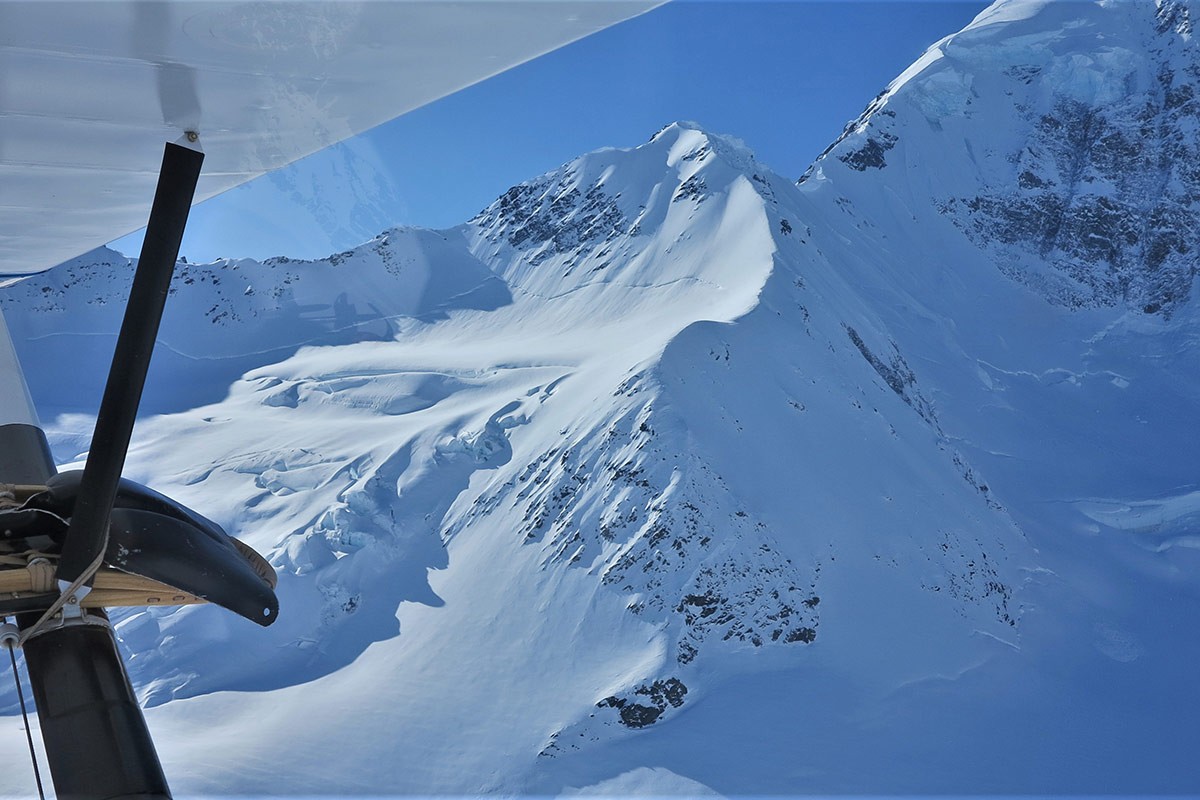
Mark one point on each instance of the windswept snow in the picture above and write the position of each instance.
(644, 782)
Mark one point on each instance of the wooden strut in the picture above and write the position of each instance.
(31, 574)
(111, 588)
(20, 492)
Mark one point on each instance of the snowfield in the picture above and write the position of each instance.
(669, 476)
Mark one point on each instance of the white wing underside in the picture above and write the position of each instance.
(89, 91)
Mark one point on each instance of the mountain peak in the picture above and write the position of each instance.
(584, 222)
(1058, 135)
(687, 140)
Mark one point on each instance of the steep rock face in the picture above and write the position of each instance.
(1072, 145)
(631, 504)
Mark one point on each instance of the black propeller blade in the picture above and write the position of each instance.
(131, 360)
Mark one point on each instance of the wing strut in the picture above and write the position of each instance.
(96, 739)
(114, 425)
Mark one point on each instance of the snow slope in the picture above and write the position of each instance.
(666, 473)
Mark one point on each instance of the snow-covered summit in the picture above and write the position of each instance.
(625, 212)
(1062, 137)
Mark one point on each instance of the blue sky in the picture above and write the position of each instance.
(785, 77)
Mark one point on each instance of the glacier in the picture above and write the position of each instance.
(666, 474)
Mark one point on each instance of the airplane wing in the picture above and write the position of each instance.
(89, 91)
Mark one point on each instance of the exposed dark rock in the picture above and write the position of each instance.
(659, 695)
(870, 154)
(874, 118)
(897, 375)
(1100, 207)
(969, 575)
(557, 213)
(693, 188)
(806, 635)
(1174, 15)
(1105, 197)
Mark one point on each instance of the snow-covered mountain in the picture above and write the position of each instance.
(668, 474)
